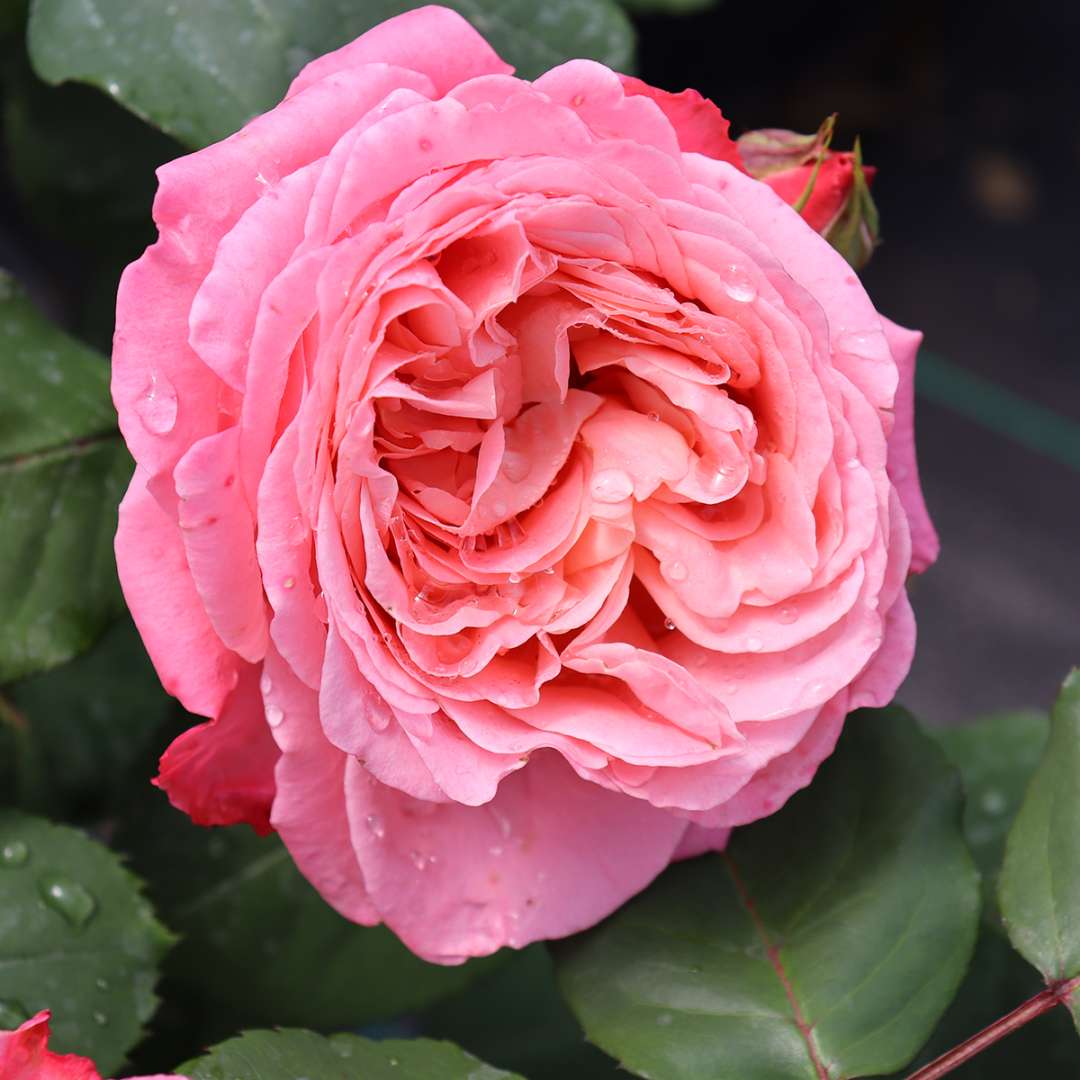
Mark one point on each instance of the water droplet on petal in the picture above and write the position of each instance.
(611, 486)
(669, 624)
(513, 578)
(265, 685)
(14, 853)
(157, 406)
(274, 715)
(374, 823)
(739, 287)
(67, 898)
(789, 615)
(731, 687)
(852, 463)
(754, 643)
(676, 571)
(288, 583)
(549, 569)
(419, 859)
(654, 417)
(516, 465)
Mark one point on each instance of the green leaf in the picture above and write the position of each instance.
(667, 7)
(286, 1055)
(63, 469)
(78, 734)
(200, 71)
(242, 908)
(1039, 889)
(997, 981)
(996, 756)
(76, 937)
(827, 941)
(516, 1018)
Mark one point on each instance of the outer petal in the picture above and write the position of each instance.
(433, 40)
(309, 804)
(222, 772)
(190, 659)
(24, 1055)
(550, 855)
(700, 126)
(903, 463)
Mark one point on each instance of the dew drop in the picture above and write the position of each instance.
(664, 1019)
(654, 417)
(739, 287)
(102, 984)
(14, 853)
(731, 687)
(419, 859)
(993, 802)
(516, 465)
(789, 615)
(669, 624)
(549, 569)
(676, 571)
(754, 643)
(513, 577)
(577, 100)
(100, 1019)
(274, 715)
(611, 486)
(67, 898)
(495, 850)
(12, 1014)
(374, 823)
(157, 406)
(289, 582)
(265, 685)
(425, 145)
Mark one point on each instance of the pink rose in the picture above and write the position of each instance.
(25, 1055)
(513, 485)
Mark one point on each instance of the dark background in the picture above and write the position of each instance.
(972, 115)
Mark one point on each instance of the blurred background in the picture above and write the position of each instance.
(973, 124)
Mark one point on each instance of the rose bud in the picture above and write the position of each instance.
(830, 189)
(25, 1055)
(525, 493)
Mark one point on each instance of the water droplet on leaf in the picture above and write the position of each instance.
(14, 853)
(68, 899)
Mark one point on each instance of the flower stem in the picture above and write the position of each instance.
(1055, 994)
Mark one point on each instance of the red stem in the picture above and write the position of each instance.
(1055, 994)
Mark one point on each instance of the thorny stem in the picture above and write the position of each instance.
(1055, 994)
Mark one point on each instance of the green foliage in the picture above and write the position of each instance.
(1040, 879)
(835, 932)
(241, 907)
(79, 737)
(175, 64)
(63, 469)
(996, 757)
(76, 937)
(516, 1018)
(285, 1055)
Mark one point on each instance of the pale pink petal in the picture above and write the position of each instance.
(550, 855)
(903, 464)
(190, 659)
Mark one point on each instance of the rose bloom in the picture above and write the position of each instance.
(25, 1055)
(524, 491)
